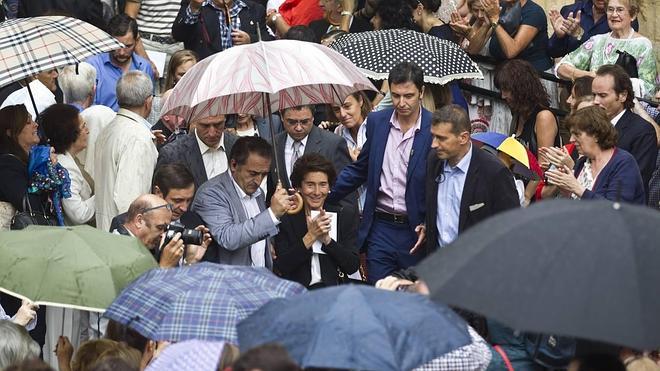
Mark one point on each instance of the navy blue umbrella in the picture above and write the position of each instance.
(356, 327)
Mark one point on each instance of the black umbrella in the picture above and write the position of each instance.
(375, 53)
(587, 269)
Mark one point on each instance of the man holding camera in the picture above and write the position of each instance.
(174, 184)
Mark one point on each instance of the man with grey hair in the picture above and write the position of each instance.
(78, 84)
(125, 155)
(15, 344)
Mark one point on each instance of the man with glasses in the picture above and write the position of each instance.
(300, 137)
(147, 220)
(112, 65)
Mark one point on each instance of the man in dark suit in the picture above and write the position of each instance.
(465, 185)
(300, 137)
(392, 162)
(613, 91)
(211, 26)
(205, 151)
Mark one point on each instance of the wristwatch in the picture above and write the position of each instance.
(274, 17)
(346, 12)
(493, 25)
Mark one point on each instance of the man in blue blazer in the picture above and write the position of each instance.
(392, 162)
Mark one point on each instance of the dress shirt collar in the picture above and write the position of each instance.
(235, 3)
(135, 117)
(394, 121)
(203, 148)
(463, 165)
(615, 119)
(241, 194)
(362, 132)
(289, 142)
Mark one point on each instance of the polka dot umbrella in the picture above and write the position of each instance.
(376, 52)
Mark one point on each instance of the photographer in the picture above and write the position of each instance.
(175, 184)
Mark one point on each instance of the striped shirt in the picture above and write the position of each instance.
(157, 16)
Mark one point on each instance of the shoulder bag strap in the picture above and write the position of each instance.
(501, 352)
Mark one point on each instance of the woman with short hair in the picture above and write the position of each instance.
(604, 171)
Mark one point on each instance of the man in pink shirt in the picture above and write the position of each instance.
(392, 163)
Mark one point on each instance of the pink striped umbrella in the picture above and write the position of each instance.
(244, 78)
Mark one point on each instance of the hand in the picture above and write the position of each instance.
(240, 37)
(280, 202)
(195, 253)
(392, 283)
(557, 23)
(64, 352)
(26, 313)
(348, 5)
(459, 24)
(269, 18)
(564, 179)
(354, 153)
(160, 137)
(196, 5)
(319, 227)
(172, 252)
(556, 156)
(492, 9)
(327, 125)
(421, 238)
(573, 27)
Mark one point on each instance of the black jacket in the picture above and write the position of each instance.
(294, 260)
(14, 185)
(637, 136)
(203, 37)
(489, 189)
(90, 11)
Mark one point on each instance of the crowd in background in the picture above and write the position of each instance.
(396, 169)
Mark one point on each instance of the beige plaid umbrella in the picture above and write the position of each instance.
(32, 45)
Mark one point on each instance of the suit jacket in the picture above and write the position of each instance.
(294, 260)
(489, 189)
(330, 145)
(185, 150)
(369, 165)
(637, 137)
(218, 204)
(204, 37)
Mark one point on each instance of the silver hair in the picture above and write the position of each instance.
(133, 89)
(77, 86)
(16, 345)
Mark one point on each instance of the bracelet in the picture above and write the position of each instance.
(493, 25)
(346, 12)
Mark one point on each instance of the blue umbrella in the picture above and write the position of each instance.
(356, 327)
(204, 301)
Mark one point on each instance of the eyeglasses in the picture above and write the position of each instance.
(303, 122)
(167, 206)
(619, 10)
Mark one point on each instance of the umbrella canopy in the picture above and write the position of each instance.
(190, 355)
(204, 301)
(356, 327)
(31, 45)
(505, 144)
(375, 53)
(586, 269)
(237, 80)
(74, 267)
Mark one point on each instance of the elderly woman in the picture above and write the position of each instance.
(306, 251)
(67, 133)
(603, 49)
(15, 344)
(604, 171)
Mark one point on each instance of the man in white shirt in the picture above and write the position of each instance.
(233, 206)
(43, 86)
(204, 151)
(125, 155)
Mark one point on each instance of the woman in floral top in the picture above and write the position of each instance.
(602, 49)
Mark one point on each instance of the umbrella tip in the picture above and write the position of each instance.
(616, 206)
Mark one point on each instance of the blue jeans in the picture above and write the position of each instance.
(388, 247)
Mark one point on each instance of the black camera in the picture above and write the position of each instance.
(188, 236)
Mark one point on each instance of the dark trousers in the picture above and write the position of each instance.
(388, 249)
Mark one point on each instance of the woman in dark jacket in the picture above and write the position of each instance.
(306, 252)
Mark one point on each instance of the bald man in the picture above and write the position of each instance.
(147, 219)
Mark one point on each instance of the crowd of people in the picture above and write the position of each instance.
(381, 181)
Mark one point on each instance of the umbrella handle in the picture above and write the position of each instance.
(299, 204)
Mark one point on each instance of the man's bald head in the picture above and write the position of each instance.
(142, 203)
(148, 217)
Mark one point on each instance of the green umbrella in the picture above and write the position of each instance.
(72, 267)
